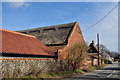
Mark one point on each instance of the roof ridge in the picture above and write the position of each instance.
(17, 33)
(49, 26)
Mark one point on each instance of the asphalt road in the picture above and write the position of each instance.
(110, 72)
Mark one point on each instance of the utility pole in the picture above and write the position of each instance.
(98, 49)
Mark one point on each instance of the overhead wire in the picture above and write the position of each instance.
(101, 18)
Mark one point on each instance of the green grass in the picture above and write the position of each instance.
(67, 73)
(99, 66)
(60, 74)
(31, 76)
(78, 70)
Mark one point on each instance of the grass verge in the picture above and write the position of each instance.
(67, 73)
(60, 74)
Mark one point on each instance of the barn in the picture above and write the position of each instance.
(58, 37)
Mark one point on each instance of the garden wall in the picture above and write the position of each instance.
(20, 68)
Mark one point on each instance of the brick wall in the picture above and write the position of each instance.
(76, 36)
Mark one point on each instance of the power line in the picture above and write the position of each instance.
(101, 18)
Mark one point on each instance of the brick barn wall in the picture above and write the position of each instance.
(76, 36)
(19, 68)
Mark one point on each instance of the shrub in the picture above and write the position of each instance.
(106, 61)
(75, 55)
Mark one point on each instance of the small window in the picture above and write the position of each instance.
(35, 31)
(64, 27)
(90, 50)
(24, 32)
(50, 29)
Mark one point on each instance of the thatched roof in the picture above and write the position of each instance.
(52, 35)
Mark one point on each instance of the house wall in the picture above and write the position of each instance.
(76, 36)
(95, 61)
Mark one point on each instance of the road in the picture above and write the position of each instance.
(110, 72)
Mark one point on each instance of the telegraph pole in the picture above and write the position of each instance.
(98, 49)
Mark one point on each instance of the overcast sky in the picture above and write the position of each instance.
(26, 15)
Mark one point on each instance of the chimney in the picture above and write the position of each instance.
(93, 42)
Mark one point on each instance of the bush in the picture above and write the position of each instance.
(106, 61)
(77, 54)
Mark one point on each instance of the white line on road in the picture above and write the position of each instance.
(111, 73)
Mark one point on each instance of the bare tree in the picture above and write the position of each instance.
(76, 54)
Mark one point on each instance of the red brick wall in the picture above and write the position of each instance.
(76, 36)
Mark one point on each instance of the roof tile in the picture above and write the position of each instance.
(14, 42)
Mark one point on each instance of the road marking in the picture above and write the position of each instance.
(111, 73)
